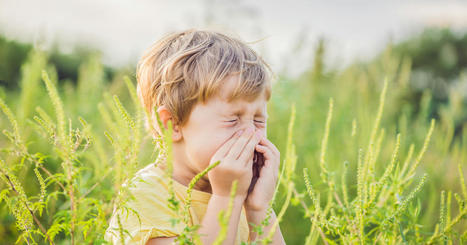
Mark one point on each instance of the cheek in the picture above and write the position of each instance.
(218, 139)
(205, 147)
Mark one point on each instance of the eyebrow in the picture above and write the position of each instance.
(257, 113)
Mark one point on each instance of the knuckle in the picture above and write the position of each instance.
(237, 172)
(231, 170)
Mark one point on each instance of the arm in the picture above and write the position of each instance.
(161, 241)
(257, 202)
(210, 225)
(235, 156)
(256, 217)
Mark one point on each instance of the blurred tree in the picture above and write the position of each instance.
(436, 59)
(440, 52)
(13, 54)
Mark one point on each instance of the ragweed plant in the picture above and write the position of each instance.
(63, 172)
(380, 213)
(68, 143)
(70, 165)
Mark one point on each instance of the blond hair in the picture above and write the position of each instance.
(187, 67)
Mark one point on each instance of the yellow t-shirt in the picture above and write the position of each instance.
(151, 203)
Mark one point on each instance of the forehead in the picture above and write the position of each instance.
(241, 106)
(225, 101)
(230, 87)
(223, 107)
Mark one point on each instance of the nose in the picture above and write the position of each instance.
(249, 125)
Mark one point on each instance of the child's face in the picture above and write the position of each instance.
(210, 125)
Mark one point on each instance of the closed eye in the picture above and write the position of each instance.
(236, 120)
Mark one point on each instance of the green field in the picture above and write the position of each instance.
(368, 154)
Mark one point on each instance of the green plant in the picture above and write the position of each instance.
(65, 166)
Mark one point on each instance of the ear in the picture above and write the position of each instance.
(165, 116)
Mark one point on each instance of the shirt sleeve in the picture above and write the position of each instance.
(150, 202)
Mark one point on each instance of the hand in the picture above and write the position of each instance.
(236, 156)
(263, 190)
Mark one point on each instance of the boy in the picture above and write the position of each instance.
(214, 89)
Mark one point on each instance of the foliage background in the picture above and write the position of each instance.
(427, 78)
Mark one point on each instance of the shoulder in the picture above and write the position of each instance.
(149, 177)
(146, 214)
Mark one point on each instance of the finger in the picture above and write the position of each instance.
(238, 146)
(249, 164)
(267, 153)
(224, 148)
(269, 144)
(247, 154)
